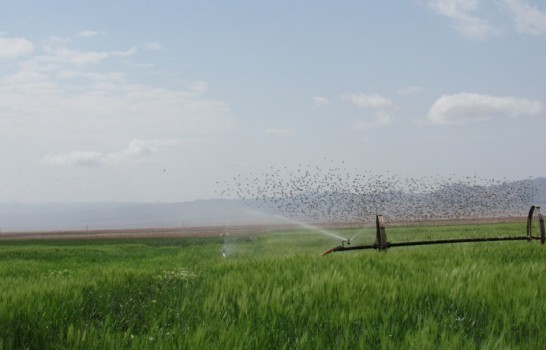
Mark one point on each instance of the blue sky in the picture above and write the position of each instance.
(156, 101)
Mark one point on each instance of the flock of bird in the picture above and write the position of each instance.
(336, 195)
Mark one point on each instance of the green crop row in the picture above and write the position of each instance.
(273, 291)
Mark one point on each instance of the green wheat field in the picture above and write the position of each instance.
(274, 291)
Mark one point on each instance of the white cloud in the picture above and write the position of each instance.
(138, 65)
(468, 107)
(199, 87)
(57, 40)
(59, 91)
(104, 103)
(475, 28)
(88, 33)
(60, 54)
(153, 46)
(319, 101)
(99, 77)
(107, 106)
(137, 151)
(130, 52)
(75, 57)
(379, 121)
(381, 105)
(528, 19)
(78, 158)
(410, 90)
(462, 12)
(368, 101)
(280, 132)
(14, 47)
(24, 76)
(31, 83)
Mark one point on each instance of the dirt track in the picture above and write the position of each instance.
(212, 231)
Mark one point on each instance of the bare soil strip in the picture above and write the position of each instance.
(212, 231)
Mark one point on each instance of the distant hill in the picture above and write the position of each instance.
(540, 186)
(16, 216)
(116, 215)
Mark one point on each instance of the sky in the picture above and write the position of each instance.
(141, 101)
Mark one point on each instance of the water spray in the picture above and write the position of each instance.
(224, 248)
(314, 228)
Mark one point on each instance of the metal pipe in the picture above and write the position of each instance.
(418, 243)
(459, 240)
(541, 225)
(530, 220)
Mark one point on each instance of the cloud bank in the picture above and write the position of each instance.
(56, 89)
(473, 18)
(137, 151)
(380, 120)
(469, 107)
(528, 19)
(380, 105)
(464, 15)
(368, 101)
(319, 101)
(14, 47)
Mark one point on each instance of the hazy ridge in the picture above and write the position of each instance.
(16, 216)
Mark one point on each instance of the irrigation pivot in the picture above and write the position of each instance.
(382, 244)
